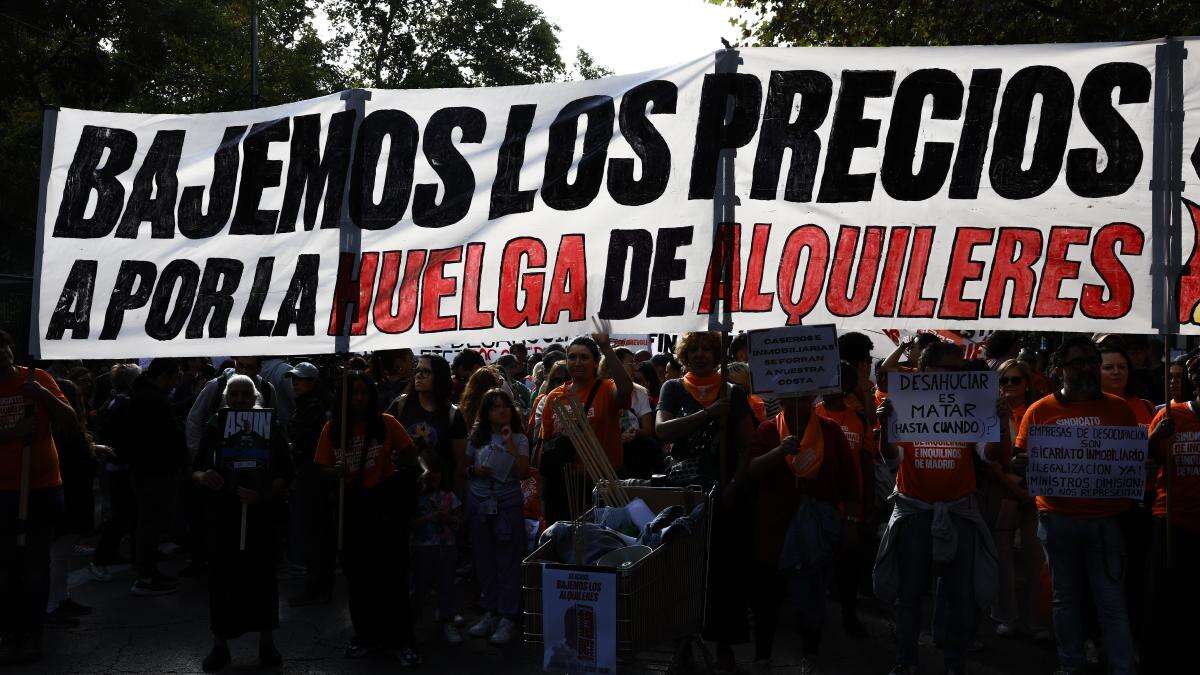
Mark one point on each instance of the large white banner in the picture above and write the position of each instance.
(964, 187)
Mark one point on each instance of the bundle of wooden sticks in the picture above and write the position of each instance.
(591, 454)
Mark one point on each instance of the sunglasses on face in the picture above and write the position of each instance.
(1005, 381)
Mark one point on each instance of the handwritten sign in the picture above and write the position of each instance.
(579, 621)
(944, 406)
(1087, 461)
(795, 361)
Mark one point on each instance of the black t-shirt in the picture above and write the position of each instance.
(436, 430)
(675, 399)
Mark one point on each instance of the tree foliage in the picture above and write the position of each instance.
(963, 22)
(586, 67)
(184, 56)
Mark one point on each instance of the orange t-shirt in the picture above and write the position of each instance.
(936, 471)
(43, 471)
(860, 439)
(604, 416)
(1109, 411)
(1142, 409)
(378, 463)
(1185, 451)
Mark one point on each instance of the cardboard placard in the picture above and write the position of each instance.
(1096, 462)
(245, 452)
(795, 361)
(579, 620)
(944, 406)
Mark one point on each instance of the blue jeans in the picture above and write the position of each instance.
(499, 544)
(956, 588)
(1087, 553)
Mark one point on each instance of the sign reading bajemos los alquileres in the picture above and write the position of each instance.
(962, 187)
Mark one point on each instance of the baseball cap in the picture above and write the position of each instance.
(304, 371)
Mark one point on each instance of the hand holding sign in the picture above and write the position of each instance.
(248, 497)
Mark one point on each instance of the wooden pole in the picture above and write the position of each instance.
(342, 458)
(26, 468)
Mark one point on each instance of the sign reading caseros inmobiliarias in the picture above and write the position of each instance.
(964, 187)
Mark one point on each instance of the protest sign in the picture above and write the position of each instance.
(378, 219)
(944, 406)
(245, 452)
(1096, 462)
(794, 361)
(579, 621)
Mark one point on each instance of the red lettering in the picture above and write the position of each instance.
(963, 268)
(568, 282)
(813, 238)
(727, 242)
(1010, 265)
(397, 315)
(353, 291)
(753, 299)
(1111, 271)
(532, 283)
(838, 298)
(472, 317)
(437, 285)
(893, 267)
(912, 303)
(1058, 268)
(1189, 281)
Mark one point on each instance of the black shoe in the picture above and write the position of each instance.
(61, 619)
(73, 608)
(194, 569)
(151, 587)
(269, 656)
(854, 628)
(358, 650)
(217, 659)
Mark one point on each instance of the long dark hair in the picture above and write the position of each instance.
(652, 384)
(374, 419)
(481, 433)
(443, 386)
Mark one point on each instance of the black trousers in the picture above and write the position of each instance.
(375, 560)
(1174, 598)
(122, 518)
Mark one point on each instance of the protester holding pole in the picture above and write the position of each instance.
(375, 549)
(243, 595)
(690, 414)
(31, 407)
(1082, 535)
(1175, 446)
(935, 519)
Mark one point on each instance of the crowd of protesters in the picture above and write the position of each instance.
(836, 509)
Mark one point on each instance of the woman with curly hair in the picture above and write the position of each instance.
(482, 381)
(693, 412)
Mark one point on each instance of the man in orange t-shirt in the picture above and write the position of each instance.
(935, 474)
(1082, 535)
(31, 408)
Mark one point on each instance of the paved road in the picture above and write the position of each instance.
(169, 635)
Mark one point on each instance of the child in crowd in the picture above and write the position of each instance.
(435, 548)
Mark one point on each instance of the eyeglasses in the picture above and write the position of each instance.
(1011, 380)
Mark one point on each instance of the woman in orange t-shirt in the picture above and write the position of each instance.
(1114, 379)
(1175, 445)
(378, 467)
(609, 397)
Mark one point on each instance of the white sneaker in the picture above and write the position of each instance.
(504, 632)
(99, 572)
(484, 627)
(451, 633)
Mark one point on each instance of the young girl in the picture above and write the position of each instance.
(435, 548)
(498, 459)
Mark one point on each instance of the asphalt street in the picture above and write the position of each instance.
(169, 634)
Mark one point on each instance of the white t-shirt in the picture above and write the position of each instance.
(641, 401)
